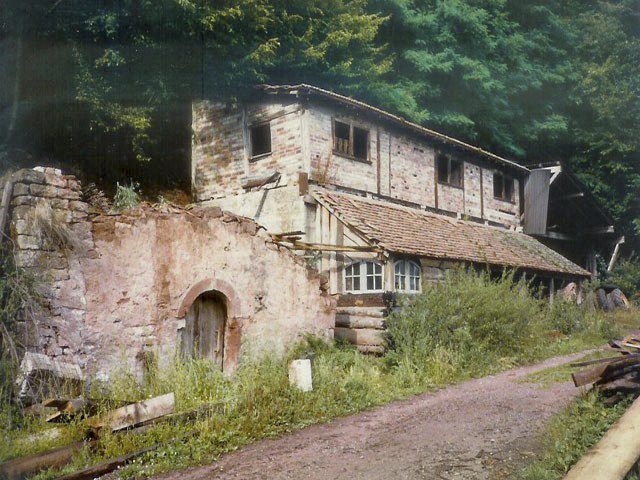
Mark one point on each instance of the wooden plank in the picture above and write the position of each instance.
(136, 413)
(536, 201)
(591, 375)
(23, 466)
(614, 455)
(4, 205)
(96, 471)
(603, 360)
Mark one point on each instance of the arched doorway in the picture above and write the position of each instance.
(204, 330)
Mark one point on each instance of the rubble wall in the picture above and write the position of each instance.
(122, 283)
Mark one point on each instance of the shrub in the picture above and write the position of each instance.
(126, 197)
(626, 275)
(473, 324)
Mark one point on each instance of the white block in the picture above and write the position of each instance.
(300, 374)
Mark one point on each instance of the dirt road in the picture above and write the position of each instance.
(481, 429)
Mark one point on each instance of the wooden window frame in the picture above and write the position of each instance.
(505, 179)
(450, 161)
(404, 278)
(351, 141)
(362, 276)
(251, 130)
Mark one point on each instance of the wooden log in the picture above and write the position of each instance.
(352, 321)
(614, 455)
(136, 413)
(602, 360)
(23, 466)
(361, 336)
(591, 375)
(96, 471)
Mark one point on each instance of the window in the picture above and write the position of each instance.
(449, 171)
(407, 276)
(350, 140)
(260, 139)
(503, 187)
(364, 276)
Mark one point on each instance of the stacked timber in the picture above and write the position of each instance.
(362, 326)
(616, 375)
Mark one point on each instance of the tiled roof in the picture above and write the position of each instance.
(320, 92)
(409, 230)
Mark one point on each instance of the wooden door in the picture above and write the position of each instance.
(203, 335)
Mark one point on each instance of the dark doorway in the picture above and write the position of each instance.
(204, 330)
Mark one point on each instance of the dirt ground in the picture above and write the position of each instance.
(486, 428)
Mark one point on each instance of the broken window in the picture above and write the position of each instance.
(350, 140)
(503, 187)
(364, 276)
(260, 139)
(407, 276)
(449, 171)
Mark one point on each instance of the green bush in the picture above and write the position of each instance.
(626, 275)
(126, 197)
(473, 324)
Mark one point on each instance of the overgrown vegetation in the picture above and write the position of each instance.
(468, 326)
(127, 196)
(17, 302)
(571, 433)
(626, 275)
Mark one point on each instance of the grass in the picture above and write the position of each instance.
(468, 327)
(571, 433)
(562, 373)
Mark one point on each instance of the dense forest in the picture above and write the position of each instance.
(104, 86)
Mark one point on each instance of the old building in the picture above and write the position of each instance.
(379, 203)
(117, 287)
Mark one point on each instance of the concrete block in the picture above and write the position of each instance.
(39, 374)
(300, 374)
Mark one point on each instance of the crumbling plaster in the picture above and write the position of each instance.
(123, 288)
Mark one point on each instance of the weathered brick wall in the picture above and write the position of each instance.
(330, 168)
(497, 210)
(220, 153)
(400, 166)
(116, 285)
(412, 170)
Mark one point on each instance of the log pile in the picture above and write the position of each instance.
(614, 376)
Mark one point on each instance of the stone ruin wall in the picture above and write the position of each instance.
(116, 286)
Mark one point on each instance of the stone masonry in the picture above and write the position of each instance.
(117, 286)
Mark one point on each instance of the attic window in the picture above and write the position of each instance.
(260, 139)
(503, 187)
(449, 171)
(350, 140)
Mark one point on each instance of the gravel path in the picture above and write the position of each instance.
(481, 429)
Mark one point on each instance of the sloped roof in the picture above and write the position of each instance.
(408, 230)
(309, 90)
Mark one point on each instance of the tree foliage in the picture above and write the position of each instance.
(108, 83)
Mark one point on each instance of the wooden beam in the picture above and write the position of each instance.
(24, 466)
(4, 205)
(614, 455)
(96, 471)
(325, 247)
(615, 254)
(136, 413)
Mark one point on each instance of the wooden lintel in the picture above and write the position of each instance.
(324, 247)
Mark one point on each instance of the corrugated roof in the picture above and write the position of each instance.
(310, 89)
(408, 230)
